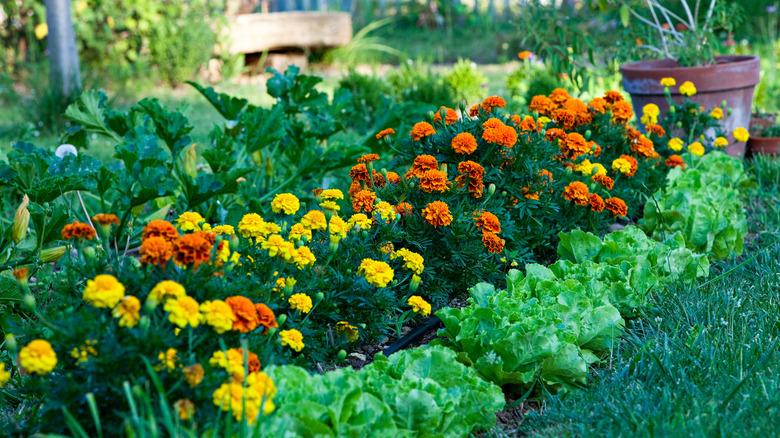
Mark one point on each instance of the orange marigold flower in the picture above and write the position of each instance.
(644, 147)
(155, 250)
(363, 201)
(492, 242)
(245, 312)
(613, 97)
(622, 112)
(559, 96)
(437, 213)
(553, 134)
(266, 317)
(106, 219)
(78, 230)
(421, 130)
(474, 110)
(576, 192)
(393, 178)
(354, 187)
(464, 143)
(616, 206)
(487, 221)
(384, 133)
(574, 146)
(193, 249)
(422, 164)
(434, 181)
(632, 133)
(675, 161)
(595, 149)
(527, 194)
(495, 131)
(379, 179)
(598, 105)
(596, 202)
(655, 129)
(544, 173)
(575, 105)
(527, 124)
(404, 208)
(564, 118)
(541, 104)
(359, 173)
(604, 180)
(474, 172)
(367, 158)
(450, 115)
(160, 228)
(491, 102)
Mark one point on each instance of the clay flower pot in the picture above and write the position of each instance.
(764, 145)
(731, 79)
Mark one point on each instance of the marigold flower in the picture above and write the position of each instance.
(106, 219)
(292, 338)
(474, 173)
(190, 221)
(492, 242)
(541, 104)
(717, 113)
(314, 220)
(168, 359)
(656, 129)
(247, 399)
(217, 314)
(277, 246)
(183, 311)
(104, 291)
(385, 211)
(525, 54)
(360, 221)
(596, 202)
(613, 97)
(155, 250)
(434, 181)
(349, 330)
(160, 228)
(644, 147)
(437, 213)
(421, 130)
(491, 102)
(625, 164)
(303, 257)
(193, 249)
(419, 305)
(78, 230)
(650, 113)
(384, 133)
(252, 225)
(544, 173)
(598, 168)
(393, 178)
(696, 148)
(38, 357)
(487, 221)
(364, 201)
(464, 143)
(359, 173)
(266, 317)
(5, 376)
(368, 158)
(193, 374)
(450, 115)
(675, 161)
(668, 82)
(559, 96)
(604, 180)
(741, 134)
(576, 192)
(574, 145)
(185, 409)
(286, 203)
(622, 112)
(165, 290)
(232, 361)
(299, 232)
(495, 131)
(404, 208)
(245, 312)
(337, 228)
(687, 88)
(412, 260)
(422, 164)
(720, 142)
(616, 206)
(377, 273)
(675, 144)
(598, 105)
(127, 311)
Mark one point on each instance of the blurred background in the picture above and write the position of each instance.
(431, 51)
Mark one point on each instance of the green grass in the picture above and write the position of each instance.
(705, 361)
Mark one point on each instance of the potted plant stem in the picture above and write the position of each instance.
(687, 45)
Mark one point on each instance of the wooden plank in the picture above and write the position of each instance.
(254, 33)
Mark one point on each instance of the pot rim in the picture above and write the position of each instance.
(659, 65)
(730, 73)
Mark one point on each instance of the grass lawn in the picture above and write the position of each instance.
(705, 361)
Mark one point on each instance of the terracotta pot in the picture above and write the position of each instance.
(759, 122)
(732, 79)
(764, 145)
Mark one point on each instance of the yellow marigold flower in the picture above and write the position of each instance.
(298, 232)
(621, 165)
(300, 302)
(38, 357)
(337, 227)
(303, 257)
(82, 353)
(252, 225)
(675, 144)
(741, 134)
(668, 82)
(386, 211)
(687, 88)
(256, 395)
(717, 113)
(127, 311)
(292, 338)
(543, 120)
(376, 272)
(166, 289)
(349, 330)
(168, 359)
(314, 220)
(5, 376)
(286, 203)
(104, 291)
(218, 315)
(277, 246)
(329, 198)
(193, 374)
(721, 142)
(419, 305)
(190, 221)
(183, 311)
(232, 361)
(696, 148)
(599, 169)
(585, 167)
(412, 260)
(359, 220)
(650, 113)
(185, 409)
(224, 229)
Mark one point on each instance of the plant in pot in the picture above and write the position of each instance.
(684, 43)
(765, 141)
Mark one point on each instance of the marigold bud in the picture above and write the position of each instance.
(280, 320)
(28, 301)
(10, 342)
(491, 189)
(319, 296)
(21, 221)
(342, 354)
(52, 254)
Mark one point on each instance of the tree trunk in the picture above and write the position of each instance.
(63, 57)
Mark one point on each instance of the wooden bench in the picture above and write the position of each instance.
(256, 33)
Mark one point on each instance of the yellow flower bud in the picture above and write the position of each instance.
(52, 254)
(21, 221)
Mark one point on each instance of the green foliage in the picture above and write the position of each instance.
(415, 81)
(531, 79)
(466, 81)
